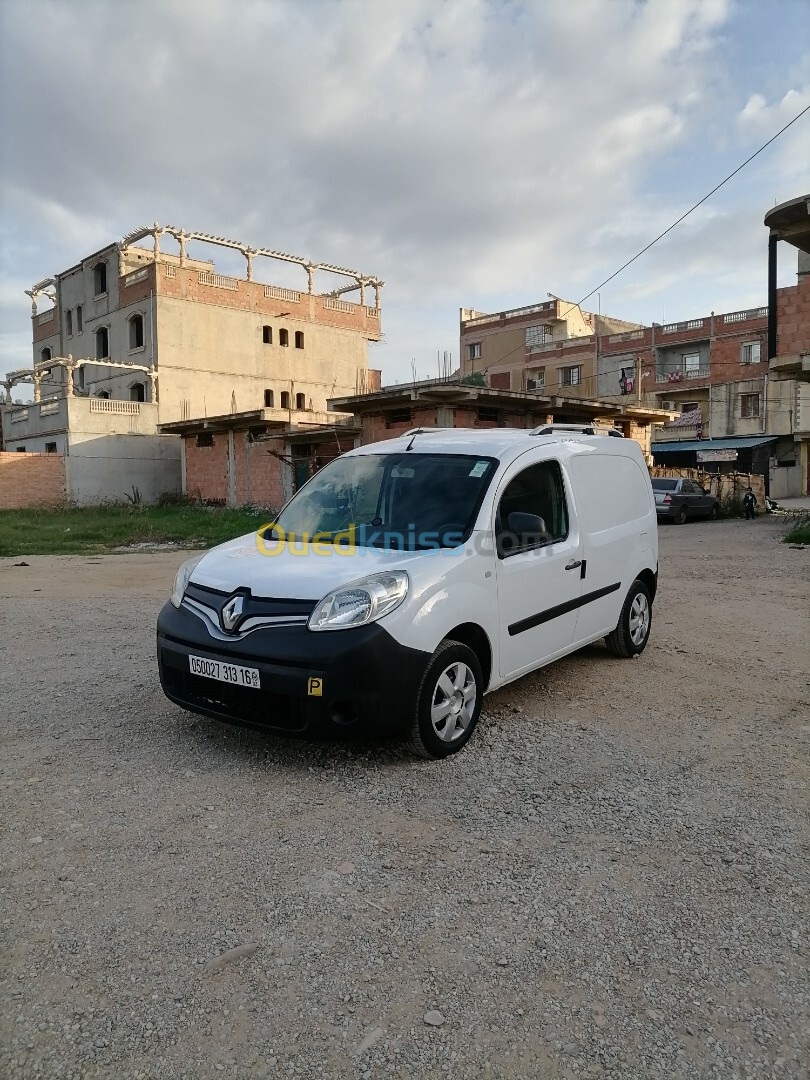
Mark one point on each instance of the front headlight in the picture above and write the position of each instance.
(181, 579)
(360, 602)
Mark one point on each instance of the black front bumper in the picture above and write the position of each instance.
(327, 683)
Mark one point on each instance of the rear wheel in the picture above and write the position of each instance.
(448, 703)
(633, 628)
(715, 511)
(680, 517)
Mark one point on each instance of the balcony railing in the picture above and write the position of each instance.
(744, 316)
(110, 405)
(681, 375)
(681, 327)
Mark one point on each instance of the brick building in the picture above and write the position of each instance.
(728, 376)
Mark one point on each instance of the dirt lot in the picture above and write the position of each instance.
(611, 880)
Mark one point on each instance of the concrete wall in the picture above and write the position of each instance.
(108, 467)
(31, 480)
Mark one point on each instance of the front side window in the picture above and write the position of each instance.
(532, 511)
(404, 502)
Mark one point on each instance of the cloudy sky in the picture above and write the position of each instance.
(476, 153)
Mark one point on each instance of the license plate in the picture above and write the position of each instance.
(229, 673)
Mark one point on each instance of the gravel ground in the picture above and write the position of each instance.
(611, 880)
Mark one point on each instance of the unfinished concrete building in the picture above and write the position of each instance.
(136, 336)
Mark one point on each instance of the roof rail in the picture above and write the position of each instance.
(580, 429)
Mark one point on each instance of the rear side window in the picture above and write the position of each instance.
(610, 490)
(536, 493)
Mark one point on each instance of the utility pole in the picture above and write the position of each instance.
(638, 378)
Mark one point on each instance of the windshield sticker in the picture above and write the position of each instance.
(479, 468)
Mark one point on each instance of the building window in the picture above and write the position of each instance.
(750, 353)
(205, 438)
(571, 376)
(299, 339)
(50, 447)
(103, 394)
(79, 378)
(100, 279)
(137, 392)
(69, 322)
(300, 401)
(689, 406)
(20, 449)
(398, 416)
(102, 343)
(269, 399)
(536, 379)
(474, 350)
(285, 399)
(79, 324)
(749, 406)
(267, 335)
(136, 332)
(284, 338)
(691, 364)
(487, 416)
(538, 335)
(45, 355)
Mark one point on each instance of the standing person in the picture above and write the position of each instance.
(749, 502)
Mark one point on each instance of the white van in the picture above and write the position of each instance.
(410, 577)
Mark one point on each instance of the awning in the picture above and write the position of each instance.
(741, 442)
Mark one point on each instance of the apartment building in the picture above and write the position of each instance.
(728, 376)
(134, 337)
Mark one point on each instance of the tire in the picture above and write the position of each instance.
(715, 511)
(680, 517)
(453, 666)
(633, 628)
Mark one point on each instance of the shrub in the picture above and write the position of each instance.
(731, 505)
(798, 534)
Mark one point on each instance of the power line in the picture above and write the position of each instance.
(674, 225)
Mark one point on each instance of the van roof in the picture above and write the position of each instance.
(496, 442)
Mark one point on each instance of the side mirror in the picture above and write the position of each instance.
(527, 529)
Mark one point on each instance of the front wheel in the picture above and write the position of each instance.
(680, 517)
(633, 628)
(448, 703)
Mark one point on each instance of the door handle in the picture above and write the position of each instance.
(573, 564)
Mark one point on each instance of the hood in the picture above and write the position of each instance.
(239, 564)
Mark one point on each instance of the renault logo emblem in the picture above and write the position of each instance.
(232, 612)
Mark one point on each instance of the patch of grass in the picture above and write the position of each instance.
(798, 534)
(74, 531)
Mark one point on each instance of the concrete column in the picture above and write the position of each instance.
(363, 293)
(182, 239)
(231, 470)
(310, 278)
(376, 296)
(249, 260)
(37, 391)
(183, 464)
(773, 240)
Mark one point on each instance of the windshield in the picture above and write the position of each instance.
(664, 485)
(407, 501)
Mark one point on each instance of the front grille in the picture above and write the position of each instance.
(237, 702)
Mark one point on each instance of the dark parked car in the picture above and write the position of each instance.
(676, 500)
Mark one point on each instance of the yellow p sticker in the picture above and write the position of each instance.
(315, 687)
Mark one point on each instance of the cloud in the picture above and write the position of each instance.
(466, 151)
